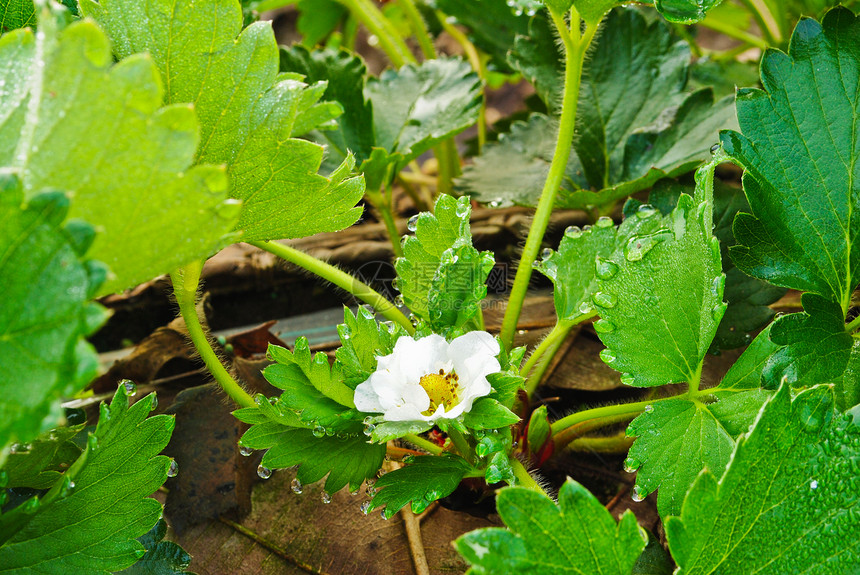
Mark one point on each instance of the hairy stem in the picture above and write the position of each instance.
(575, 49)
(389, 38)
(382, 204)
(618, 443)
(419, 27)
(550, 345)
(524, 479)
(339, 278)
(422, 443)
(185, 283)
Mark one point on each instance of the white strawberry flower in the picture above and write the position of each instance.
(429, 378)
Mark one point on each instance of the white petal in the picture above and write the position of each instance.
(417, 358)
(405, 413)
(365, 398)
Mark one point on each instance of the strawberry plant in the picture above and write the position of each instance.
(140, 138)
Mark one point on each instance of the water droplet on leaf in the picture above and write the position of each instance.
(364, 507)
(645, 211)
(546, 253)
(638, 246)
(173, 470)
(715, 148)
(325, 497)
(296, 486)
(604, 300)
(245, 451)
(585, 308)
(604, 222)
(607, 355)
(637, 494)
(264, 472)
(412, 224)
(130, 387)
(631, 465)
(628, 378)
(573, 232)
(319, 431)
(604, 326)
(606, 269)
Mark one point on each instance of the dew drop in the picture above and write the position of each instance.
(364, 507)
(368, 429)
(130, 387)
(607, 355)
(264, 472)
(383, 514)
(649, 408)
(173, 470)
(68, 487)
(645, 211)
(368, 420)
(604, 326)
(412, 224)
(813, 484)
(398, 301)
(462, 208)
(245, 451)
(604, 222)
(637, 494)
(229, 209)
(585, 308)
(546, 253)
(325, 497)
(715, 148)
(606, 269)
(154, 402)
(573, 232)
(628, 378)
(319, 431)
(638, 246)
(631, 464)
(20, 448)
(296, 486)
(92, 442)
(604, 300)
(718, 312)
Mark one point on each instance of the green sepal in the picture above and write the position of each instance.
(488, 413)
(389, 430)
(424, 480)
(363, 339)
(539, 429)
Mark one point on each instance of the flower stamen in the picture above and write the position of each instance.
(442, 389)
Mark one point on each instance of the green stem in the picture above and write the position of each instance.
(448, 160)
(575, 50)
(618, 443)
(424, 444)
(736, 33)
(339, 278)
(766, 31)
(185, 283)
(419, 26)
(851, 327)
(389, 38)
(524, 479)
(558, 428)
(382, 204)
(461, 444)
(550, 344)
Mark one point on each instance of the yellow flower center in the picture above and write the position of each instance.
(442, 388)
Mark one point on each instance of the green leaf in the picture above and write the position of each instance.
(42, 463)
(577, 536)
(89, 521)
(315, 371)
(424, 480)
(441, 276)
(636, 122)
(162, 557)
(345, 459)
(816, 345)
(572, 268)
(16, 14)
(423, 105)
(318, 19)
(131, 176)
(247, 112)
(488, 413)
(749, 298)
(788, 501)
(492, 25)
(536, 56)
(345, 74)
(661, 302)
(677, 438)
(45, 315)
(799, 153)
(363, 339)
(684, 11)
